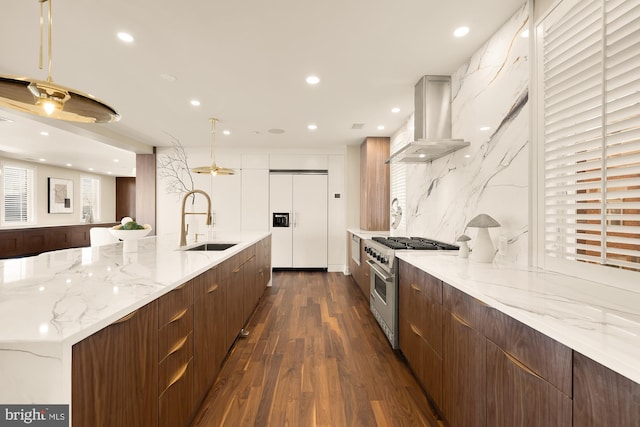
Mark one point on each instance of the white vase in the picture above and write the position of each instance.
(463, 252)
(483, 250)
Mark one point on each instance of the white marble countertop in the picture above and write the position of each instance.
(601, 322)
(51, 301)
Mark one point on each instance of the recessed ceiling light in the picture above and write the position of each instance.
(485, 128)
(109, 173)
(422, 155)
(115, 160)
(525, 34)
(395, 110)
(226, 132)
(91, 169)
(380, 127)
(195, 102)
(125, 37)
(44, 133)
(43, 160)
(69, 165)
(461, 31)
(312, 80)
(312, 127)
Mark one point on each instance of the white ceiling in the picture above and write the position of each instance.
(246, 62)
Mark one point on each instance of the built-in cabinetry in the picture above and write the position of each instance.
(420, 327)
(302, 197)
(479, 366)
(115, 373)
(360, 272)
(374, 184)
(602, 397)
(154, 366)
(19, 242)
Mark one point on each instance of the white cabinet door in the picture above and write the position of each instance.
(255, 199)
(280, 200)
(226, 202)
(309, 221)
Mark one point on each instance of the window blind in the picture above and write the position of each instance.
(18, 198)
(591, 119)
(90, 198)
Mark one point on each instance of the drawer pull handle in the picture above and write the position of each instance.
(237, 269)
(178, 376)
(178, 345)
(415, 287)
(125, 318)
(180, 287)
(460, 320)
(416, 331)
(522, 365)
(178, 316)
(213, 288)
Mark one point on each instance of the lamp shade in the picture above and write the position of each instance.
(483, 250)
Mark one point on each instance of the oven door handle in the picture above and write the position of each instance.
(379, 272)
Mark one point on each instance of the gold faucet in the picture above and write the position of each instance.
(183, 226)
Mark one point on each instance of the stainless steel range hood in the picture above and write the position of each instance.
(432, 135)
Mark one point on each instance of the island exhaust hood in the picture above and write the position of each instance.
(432, 134)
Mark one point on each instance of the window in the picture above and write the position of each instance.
(18, 195)
(90, 198)
(589, 92)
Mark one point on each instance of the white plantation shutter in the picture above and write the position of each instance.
(18, 195)
(590, 76)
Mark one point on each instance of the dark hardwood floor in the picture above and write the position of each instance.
(314, 357)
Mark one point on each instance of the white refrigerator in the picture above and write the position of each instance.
(298, 219)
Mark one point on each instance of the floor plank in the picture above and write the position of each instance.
(314, 357)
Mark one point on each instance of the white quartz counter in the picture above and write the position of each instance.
(601, 322)
(51, 301)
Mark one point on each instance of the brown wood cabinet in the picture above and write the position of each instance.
(209, 330)
(114, 378)
(360, 273)
(500, 372)
(420, 327)
(36, 240)
(374, 184)
(175, 354)
(602, 397)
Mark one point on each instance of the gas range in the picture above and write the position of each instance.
(382, 249)
(384, 279)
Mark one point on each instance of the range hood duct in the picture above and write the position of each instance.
(432, 134)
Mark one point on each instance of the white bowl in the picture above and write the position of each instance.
(129, 234)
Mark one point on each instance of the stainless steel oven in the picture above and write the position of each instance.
(383, 289)
(384, 277)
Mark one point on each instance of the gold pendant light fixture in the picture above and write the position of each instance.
(48, 99)
(213, 169)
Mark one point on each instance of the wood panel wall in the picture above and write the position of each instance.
(125, 197)
(146, 189)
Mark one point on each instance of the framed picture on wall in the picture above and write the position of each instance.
(60, 195)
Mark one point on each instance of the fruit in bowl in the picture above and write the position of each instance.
(129, 224)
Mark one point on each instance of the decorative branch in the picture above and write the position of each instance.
(173, 167)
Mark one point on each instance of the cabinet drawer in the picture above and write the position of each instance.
(207, 282)
(172, 368)
(468, 309)
(173, 304)
(546, 357)
(423, 283)
(176, 404)
(174, 333)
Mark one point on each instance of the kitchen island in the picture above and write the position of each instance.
(57, 299)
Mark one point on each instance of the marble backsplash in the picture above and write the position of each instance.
(491, 175)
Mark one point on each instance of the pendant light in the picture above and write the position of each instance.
(213, 169)
(48, 99)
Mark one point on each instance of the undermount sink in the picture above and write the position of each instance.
(211, 247)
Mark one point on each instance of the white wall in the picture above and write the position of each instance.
(42, 172)
(233, 191)
(489, 90)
